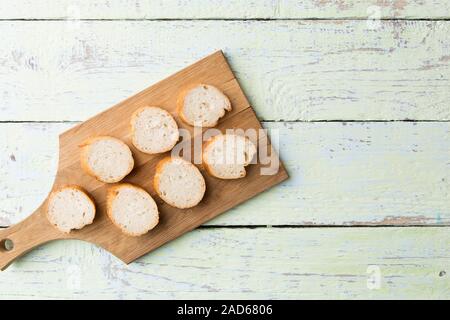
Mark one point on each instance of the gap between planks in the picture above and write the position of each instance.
(262, 121)
(230, 19)
(293, 226)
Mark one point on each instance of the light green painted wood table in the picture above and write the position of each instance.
(356, 95)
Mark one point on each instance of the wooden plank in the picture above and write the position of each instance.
(263, 263)
(290, 70)
(231, 9)
(394, 173)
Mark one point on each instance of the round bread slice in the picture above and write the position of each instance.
(106, 158)
(131, 209)
(179, 183)
(154, 130)
(225, 156)
(202, 105)
(70, 207)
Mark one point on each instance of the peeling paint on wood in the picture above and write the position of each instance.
(267, 263)
(393, 173)
(290, 70)
(230, 9)
(367, 174)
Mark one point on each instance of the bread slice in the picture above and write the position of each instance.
(106, 158)
(70, 207)
(154, 130)
(179, 183)
(225, 156)
(202, 105)
(131, 209)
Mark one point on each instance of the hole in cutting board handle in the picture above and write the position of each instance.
(6, 245)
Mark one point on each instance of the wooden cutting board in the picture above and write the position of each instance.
(220, 196)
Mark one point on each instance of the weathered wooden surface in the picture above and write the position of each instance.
(253, 263)
(357, 173)
(230, 9)
(290, 70)
(340, 173)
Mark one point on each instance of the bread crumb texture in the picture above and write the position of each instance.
(70, 208)
(203, 105)
(154, 130)
(132, 209)
(106, 158)
(225, 156)
(179, 183)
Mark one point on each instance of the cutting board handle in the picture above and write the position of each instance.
(24, 236)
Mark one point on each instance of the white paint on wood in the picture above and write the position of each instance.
(263, 263)
(359, 173)
(340, 173)
(230, 9)
(290, 70)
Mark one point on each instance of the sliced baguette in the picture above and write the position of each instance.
(131, 209)
(225, 156)
(153, 130)
(179, 183)
(106, 158)
(70, 207)
(202, 105)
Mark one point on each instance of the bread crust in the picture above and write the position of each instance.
(208, 167)
(133, 130)
(205, 164)
(110, 196)
(180, 102)
(182, 96)
(69, 186)
(84, 156)
(158, 171)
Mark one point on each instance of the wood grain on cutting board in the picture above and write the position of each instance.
(221, 195)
